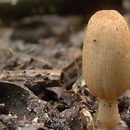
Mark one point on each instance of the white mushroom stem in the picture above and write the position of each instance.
(108, 116)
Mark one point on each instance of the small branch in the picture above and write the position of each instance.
(46, 78)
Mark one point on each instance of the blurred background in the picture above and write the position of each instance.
(48, 34)
(38, 33)
(21, 8)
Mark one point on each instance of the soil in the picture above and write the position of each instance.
(41, 84)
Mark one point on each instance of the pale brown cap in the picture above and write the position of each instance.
(106, 55)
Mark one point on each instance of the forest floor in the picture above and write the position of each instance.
(41, 85)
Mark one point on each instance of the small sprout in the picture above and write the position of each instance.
(106, 64)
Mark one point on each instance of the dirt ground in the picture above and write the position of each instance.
(41, 84)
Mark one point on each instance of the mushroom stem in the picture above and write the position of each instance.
(108, 117)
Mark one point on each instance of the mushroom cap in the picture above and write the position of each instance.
(106, 55)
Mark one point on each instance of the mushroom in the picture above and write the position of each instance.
(106, 64)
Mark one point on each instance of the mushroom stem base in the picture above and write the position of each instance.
(108, 117)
